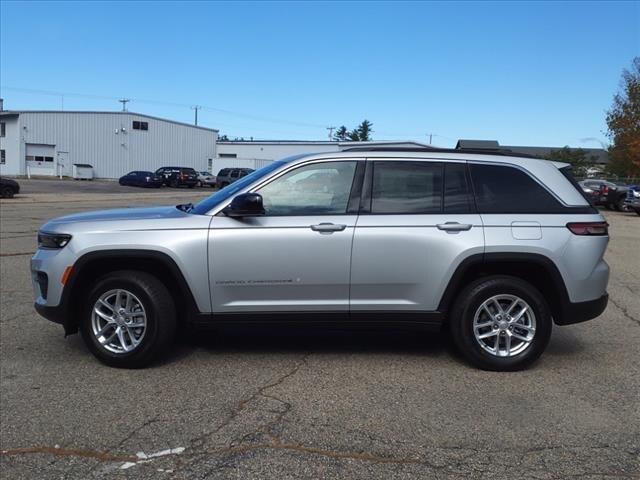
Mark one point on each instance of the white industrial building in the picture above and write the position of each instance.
(255, 154)
(113, 143)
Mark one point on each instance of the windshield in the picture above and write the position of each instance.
(223, 194)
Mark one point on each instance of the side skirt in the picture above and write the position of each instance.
(431, 321)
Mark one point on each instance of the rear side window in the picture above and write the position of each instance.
(457, 197)
(502, 189)
(406, 188)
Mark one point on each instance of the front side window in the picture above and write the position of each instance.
(406, 188)
(316, 189)
(503, 189)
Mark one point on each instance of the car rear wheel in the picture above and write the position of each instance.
(501, 323)
(7, 192)
(129, 319)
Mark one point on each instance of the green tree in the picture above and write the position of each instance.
(623, 122)
(361, 133)
(364, 131)
(577, 157)
(341, 134)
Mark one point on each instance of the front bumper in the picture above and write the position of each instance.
(582, 311)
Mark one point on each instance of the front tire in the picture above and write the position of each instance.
(501, 323)
(6, 192)
(129, 319)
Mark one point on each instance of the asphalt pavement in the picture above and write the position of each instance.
(310, 404)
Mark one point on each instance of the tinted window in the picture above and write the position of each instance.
(223, 172)
(501, 189)
(316, 189)
(456, 189)
(406, 187)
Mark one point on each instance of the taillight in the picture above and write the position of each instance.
(589, 228)
(604, 190)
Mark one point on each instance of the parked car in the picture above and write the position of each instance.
(227, 176)
(633, 199)
(205, 178)
(610, 194)
(178, 176)
(141, 179)
(8, 188)
(402, 237)
(592, 193)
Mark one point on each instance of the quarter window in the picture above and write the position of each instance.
(502, 189)
(316, 189)
(406, 188)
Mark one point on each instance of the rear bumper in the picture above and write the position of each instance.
(582, 311)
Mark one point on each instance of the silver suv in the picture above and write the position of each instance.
(494, 247)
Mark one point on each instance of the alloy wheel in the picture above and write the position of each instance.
(118, 321)
(504, 325)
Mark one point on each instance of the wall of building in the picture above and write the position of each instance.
(257, 154)
(10, 143)
(108, 142)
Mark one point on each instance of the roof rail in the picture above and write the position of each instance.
(475, 151)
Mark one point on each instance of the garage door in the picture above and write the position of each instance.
(40, 159)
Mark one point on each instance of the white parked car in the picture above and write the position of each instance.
(206, 179)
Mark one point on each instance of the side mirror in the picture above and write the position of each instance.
(245, 205)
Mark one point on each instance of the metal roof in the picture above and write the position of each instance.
(7, 113)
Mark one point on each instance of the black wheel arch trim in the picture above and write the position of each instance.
(66, 312)
(564, 311)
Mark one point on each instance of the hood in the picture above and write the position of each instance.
(127, 219)
(121, 214)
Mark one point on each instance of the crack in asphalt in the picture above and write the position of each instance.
(624, 311)
(70, 452)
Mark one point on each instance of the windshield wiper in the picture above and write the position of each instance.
(185, 207)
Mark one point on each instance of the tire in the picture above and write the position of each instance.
(7, 192)
(468, 305)
(621, 206)
(158, 307)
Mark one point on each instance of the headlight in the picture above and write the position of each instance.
(52, 240)
(636, 193)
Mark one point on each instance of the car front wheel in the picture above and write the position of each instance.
(129, 319)
(501, 323)
(6, 192)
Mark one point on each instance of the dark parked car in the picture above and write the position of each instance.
(227, 176)
(633, 199)
(178, 176)
(141, 179)
(610, 195)
(8, 188)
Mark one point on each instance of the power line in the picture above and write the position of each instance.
(165, 103)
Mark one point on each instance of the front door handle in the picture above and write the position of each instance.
(328, 227)
(454, 227)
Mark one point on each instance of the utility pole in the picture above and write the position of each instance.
(331, 129)
(124, 102)
(430, 137)
(196, 108)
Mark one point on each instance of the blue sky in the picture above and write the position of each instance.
(522, 73)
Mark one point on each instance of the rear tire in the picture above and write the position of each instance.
(154, 307)
(468, 315)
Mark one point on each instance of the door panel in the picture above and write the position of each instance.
(403, 262)
(280, 264)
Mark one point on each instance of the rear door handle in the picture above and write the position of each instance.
(454, 226)
(328, 227)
